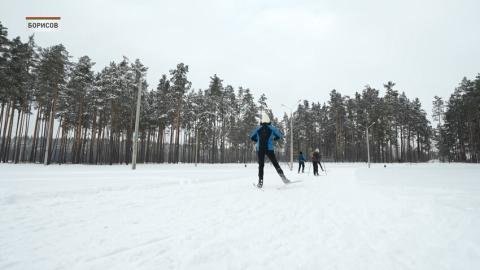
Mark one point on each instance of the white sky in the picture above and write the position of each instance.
(288, 50)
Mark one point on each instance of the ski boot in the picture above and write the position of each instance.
(260, 183)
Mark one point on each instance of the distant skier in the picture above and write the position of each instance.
(316, 159)
(264, 135)
(301, 162)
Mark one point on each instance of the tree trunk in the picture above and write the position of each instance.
(18, 140)
(99, 143)
(92, 138)
(17, 129)
(4, 133)
(78, 133)
(53, 152)
(170, 153)
(177, 135)
(162, 145)
(147, 148)
(6, 153)
(1, 118)
(157, 154)
(25, 139)
(50, 129)
(401, 145)
(35, 136)
(83, 146)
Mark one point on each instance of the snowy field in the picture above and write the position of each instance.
(424, 216)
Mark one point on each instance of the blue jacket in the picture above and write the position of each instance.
(264, 135)
(301, 158)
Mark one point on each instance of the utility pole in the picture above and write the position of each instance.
(366, 139)
(137, 120)
(291, 140)
(291, 133)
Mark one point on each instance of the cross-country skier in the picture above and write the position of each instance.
(301, 162)
(264, 135)
(316, 158)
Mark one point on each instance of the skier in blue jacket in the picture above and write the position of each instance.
(264, 135)
(301, 162)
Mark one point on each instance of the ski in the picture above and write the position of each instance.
(293, 182)
(289, 183)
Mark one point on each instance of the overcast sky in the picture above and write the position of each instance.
(288, 50)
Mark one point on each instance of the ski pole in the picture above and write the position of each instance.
(324, 168)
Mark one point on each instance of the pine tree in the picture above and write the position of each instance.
(162, 102)
(180, 85)
(52, 78)
(19, 81)
(214, 95)
(4, 95)
(73, 102)
(458, 139)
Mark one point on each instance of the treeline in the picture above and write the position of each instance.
(398, 128)
(56, 110)
(458, 123)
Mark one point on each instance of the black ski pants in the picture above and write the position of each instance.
(261, 162)
(301, 164)
(315, 167)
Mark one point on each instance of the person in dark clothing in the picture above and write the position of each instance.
(316, 158)
(264, 135)
(301, 162)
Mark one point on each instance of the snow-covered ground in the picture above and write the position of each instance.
(424, 216)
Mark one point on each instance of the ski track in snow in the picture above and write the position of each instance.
(422, 216)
